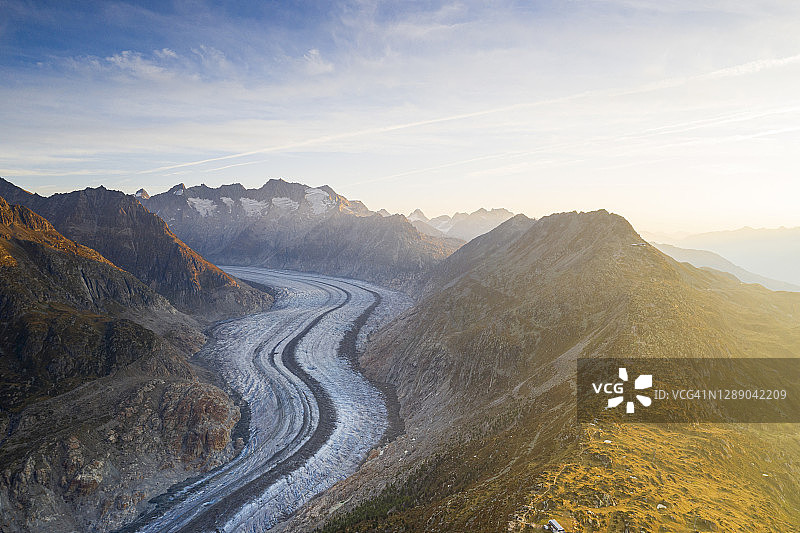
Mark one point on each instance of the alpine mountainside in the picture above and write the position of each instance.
(484, 367)
(98, 413)
(293, 226)
(120, 228)
(464, 226)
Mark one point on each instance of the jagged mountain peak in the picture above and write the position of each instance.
(557, 243)
(177, 190)
(572, 238)
(5, 183)
(277, 198)
(141, 193)
(599, 223)
(292, 225)
(464, 226)
(417, 214)
(328, 189)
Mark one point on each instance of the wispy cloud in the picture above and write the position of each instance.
(733, 71)
(752, 67)
(315, 64)
(366, 132)
(161, 65)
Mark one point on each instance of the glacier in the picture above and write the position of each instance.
(314, 417)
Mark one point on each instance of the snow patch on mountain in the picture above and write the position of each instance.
(281, 202)
(227, 201)
(203, 206)
(319, 200)
(254, 208)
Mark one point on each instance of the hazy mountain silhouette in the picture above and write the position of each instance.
(773, 253)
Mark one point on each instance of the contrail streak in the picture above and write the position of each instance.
(727, 72)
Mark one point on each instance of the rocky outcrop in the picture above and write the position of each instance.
(123, 231)
(136, 438)
(293, 226)
(197, 421)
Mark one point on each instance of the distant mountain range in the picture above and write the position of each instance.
(772, 253)
(294, 226)
(464, 226)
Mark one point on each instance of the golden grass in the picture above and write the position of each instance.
(707, 478)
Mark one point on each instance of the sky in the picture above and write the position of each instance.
(682, 116)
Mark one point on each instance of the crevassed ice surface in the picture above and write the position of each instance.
(284, 413)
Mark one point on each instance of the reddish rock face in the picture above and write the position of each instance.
(197, 420)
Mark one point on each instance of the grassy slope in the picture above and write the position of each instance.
(704, 477)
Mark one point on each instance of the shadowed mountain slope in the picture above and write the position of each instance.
(55, 295)
(120, 228)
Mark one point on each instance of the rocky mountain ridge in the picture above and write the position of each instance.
(120, 228)
(293, 226)
(98, 413)
(484, 367)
